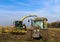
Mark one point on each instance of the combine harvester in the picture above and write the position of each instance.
(19, 26)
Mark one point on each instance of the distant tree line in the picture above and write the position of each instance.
(54, 24)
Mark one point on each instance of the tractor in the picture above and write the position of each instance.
(38, 25)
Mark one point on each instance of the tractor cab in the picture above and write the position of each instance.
(41, 22)
(38, 24)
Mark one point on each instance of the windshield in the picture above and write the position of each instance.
(40, 23)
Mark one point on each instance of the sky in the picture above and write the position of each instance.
(11, 10)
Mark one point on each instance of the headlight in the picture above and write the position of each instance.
(34, 30)
(38, 30)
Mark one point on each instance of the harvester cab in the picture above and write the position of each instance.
(19, 27)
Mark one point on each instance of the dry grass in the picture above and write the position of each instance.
(0, 29)
(53, 34)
